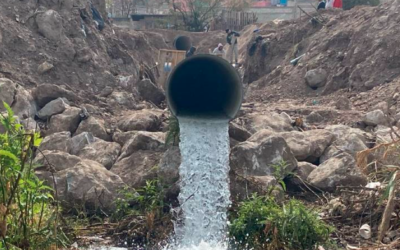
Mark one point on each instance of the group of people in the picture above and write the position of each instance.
(233, 52)
(327, 4)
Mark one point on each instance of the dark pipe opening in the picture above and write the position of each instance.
(204, 86)
(182, 43)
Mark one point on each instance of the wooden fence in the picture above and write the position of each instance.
(234, 20)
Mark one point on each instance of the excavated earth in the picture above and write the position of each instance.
(95, 97)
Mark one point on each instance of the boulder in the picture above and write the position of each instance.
(142, 120)
(50, 25)
(168, 170)
(95, 127)
(374, 118)
(56, 141)
(122, 98)
(123, 137)
(44, 67)
(350, 143)
(7, 92)
(314, 117)
(105, 153)
(304, 169)
(88, 184)
(308, 145)
(67, 121)
(340, 170)
(56, 160)
(54, 107)
(243, 187)
(45, 93)
(78, 142)
(340, 131)
(257, 158)
(272, 121)
(316, 78)
(143, 140)
(30, 124)
(139, 167)
(24, 106)
(238, 133)
(150, 92)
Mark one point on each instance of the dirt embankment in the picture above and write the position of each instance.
(353, 50)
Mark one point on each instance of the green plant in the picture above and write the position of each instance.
(280, 172)
(172, 137)
(349, 4)
(263, 224)
(28, 218)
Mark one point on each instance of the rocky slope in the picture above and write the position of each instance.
(105, 127)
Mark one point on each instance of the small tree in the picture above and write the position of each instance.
(196, 13)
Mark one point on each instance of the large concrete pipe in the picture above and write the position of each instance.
(182, 43)
(204, 86)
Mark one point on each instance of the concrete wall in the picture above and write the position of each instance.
(284, 13)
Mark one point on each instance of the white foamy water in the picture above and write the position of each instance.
(204, 195)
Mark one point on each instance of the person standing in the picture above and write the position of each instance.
(321, 5)
(190, 52)
(231, 39)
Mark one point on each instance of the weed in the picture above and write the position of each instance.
(28, 218)
(172, 137)
(263, 224)
(280, 172)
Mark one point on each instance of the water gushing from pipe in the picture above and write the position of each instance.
(204, 92)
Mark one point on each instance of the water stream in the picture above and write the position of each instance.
(204, 195)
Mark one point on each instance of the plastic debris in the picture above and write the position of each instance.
(365, 231)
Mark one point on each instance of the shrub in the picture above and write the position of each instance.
(263, 224)
(349, 4)
(28, 218)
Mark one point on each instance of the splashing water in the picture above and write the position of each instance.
(204, 195)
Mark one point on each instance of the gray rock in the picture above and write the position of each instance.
(30, 124)
(143, 140)
(314, 117)
(7, 92)
(168, 171)
(45, 93)
(50, 25)
(94, 126)
(256, 158)
(67, 121)
(243, 187)
(122, 98)
(88, 184)
(44, 68)
(105, 153)
(142, 120)
(78, 142)
(150, 92)
(54, 107)
(24, 106)
(56, 160)
(123, 137)
(308, 145)
(316, 78)
(56, 141)
(340, 170)
(255, 122)
(304, 169)
(238, 133)
(138, 168)
(374, 118)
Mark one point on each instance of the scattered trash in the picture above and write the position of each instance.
(296, 60)
(365, 231)
(374, 185)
